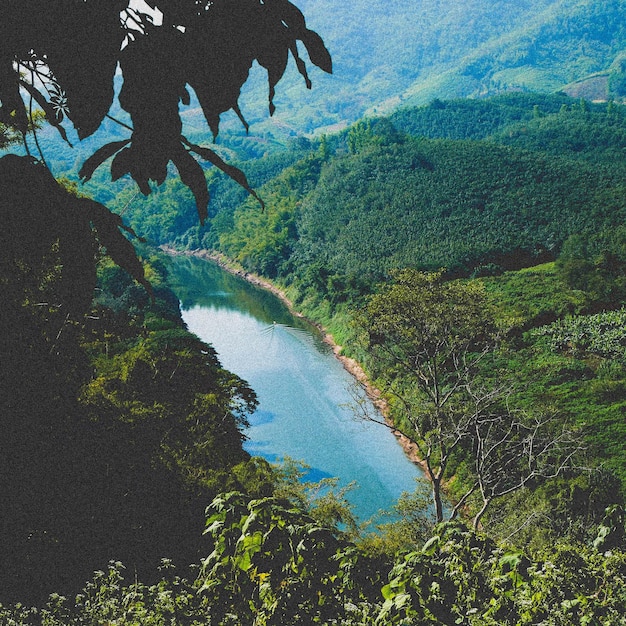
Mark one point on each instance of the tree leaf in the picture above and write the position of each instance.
(51, 114)
(300, 64)
(230, 170)
(99, 157)
(317, 51)
(121, 164)
(82, 48)
(192, 175)
(118, 247)
(274, 58)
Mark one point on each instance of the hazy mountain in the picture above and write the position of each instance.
(395, 53)
(407, 52)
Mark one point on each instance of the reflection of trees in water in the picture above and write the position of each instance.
(201, 282)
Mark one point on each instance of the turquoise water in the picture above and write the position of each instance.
(305, 395)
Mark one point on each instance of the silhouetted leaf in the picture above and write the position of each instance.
(99, 157)
(230, 170)
(154, 58)
(208, 46)
(317, 51)
(51, 115)
(118, 247)
(192, 175)
(12, 111)
(274, 59)
(220, 49)
(301, 65)
(82, 43)
(121, 164)
(242, 119)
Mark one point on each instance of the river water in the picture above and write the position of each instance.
(306, 401)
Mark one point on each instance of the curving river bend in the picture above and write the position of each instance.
(305, 394)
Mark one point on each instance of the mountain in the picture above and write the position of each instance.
(459, 184)
(403, 52)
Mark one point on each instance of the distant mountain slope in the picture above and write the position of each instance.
(394, 52)
(465, 184)
(454, 204)
(554, 44)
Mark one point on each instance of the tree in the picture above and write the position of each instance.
(428, 338)
(64, 55)
(511, 451)
(596, 264)
(61, 58)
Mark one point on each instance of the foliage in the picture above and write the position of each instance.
(427, 337)
(338, 216)
(272, 564)
(323, 500)
(433, 343)
(192, 46)
(118, 425)
(602, 334)
(459, 205)
(263, 239)
(409, 524)
(344, 210)
(531, 297)
(463, 578)
(475, 118)
(596, 265)
(286, 567)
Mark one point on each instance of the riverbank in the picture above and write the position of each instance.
(352, 366)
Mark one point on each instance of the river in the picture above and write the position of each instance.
(305, 395)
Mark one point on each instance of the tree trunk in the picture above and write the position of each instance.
(436, 482)
(480, 513)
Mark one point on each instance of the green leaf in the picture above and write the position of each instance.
(249, 545)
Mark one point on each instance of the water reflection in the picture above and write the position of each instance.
(304, 392)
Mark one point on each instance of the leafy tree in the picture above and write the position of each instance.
(429, 338)
(596, 264)
(61, 59)
(433, 334)
(64, 56)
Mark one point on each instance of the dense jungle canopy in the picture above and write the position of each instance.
(118, 427)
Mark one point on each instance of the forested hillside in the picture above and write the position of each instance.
(388, 54)
(456, 184)
(471, 254)
(479, 188)
(404, 53)
(118, 425)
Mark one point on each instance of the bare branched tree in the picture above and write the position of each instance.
(428, 338)
(512, 451)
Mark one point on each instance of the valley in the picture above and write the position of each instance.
(448, 204)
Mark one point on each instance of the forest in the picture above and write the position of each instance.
(470, 253)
